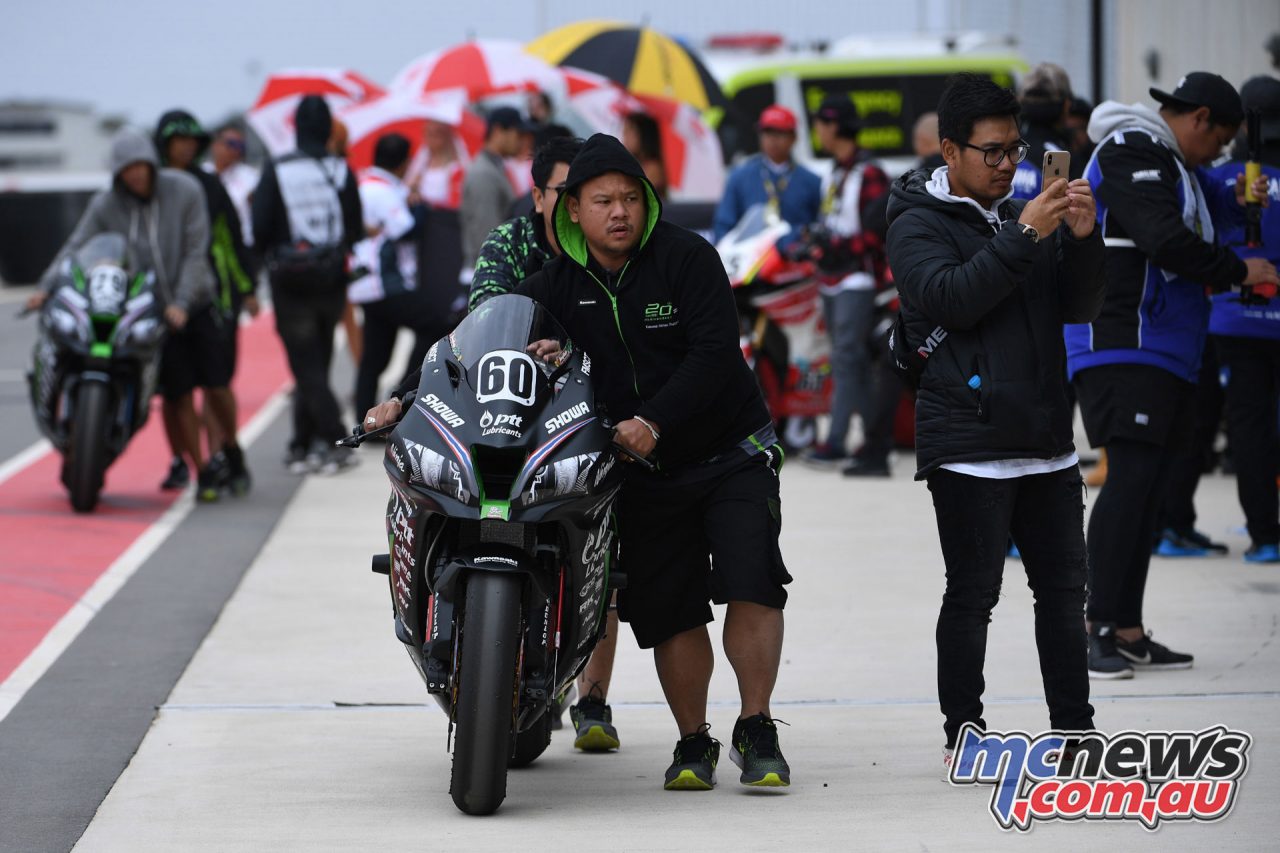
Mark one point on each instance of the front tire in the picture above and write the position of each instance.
(533, 741)
(484, 713)
(87, 451)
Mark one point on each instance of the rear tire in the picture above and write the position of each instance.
(87, 450)
(486, 675)
(533, 741)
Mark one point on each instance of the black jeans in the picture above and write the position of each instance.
(1252, 391)
(305, 323)
(383, 320)
(1045, 515)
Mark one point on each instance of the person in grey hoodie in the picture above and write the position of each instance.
(161, 212)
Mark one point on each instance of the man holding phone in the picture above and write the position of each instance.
(1135, 366)
(986, 283)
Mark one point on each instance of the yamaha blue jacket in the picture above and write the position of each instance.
(1229, 316)
(1157, 219)
(799, 194)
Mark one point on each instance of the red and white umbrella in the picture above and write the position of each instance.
(403, 113)
(596, 101)
(483, 68)
(691, 150)
(271, 116)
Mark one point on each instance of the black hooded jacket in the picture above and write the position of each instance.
(980, 299)
(313, 124)
(662, 332)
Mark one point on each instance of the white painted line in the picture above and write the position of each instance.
(109, 582)
(22, 459)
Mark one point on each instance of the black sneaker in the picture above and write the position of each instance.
(693, 767)
(207, 485)
(1146, 653)
(295, 461)
(593, 723)
(1104, 661)
(755, 751)
(1198, 539)
(221, 470)
(238, 479)
(862, 467)
(178, 476)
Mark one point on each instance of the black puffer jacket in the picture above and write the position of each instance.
(991, 304)
(662, 331)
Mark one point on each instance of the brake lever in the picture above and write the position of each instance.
(634, 457)
(359, 436)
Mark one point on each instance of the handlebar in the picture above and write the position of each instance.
(634, 457)
(359, 436)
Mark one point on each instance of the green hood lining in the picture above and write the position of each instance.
(569, 233)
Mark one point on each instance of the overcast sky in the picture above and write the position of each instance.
(140, 57)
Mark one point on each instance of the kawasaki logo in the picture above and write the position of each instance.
(441, 408)
(566, 417)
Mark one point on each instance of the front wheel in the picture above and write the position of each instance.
(485, 710)
(533, 741)
(87, 451)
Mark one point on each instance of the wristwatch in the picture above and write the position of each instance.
(1031, 232)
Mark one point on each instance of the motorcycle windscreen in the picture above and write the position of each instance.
(107, 248)
(505, 344)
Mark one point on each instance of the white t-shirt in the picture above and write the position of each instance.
(1008, 469)
(384, 202)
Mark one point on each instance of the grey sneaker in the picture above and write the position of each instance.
(756, 752)
(338, 459)
(593, 724)
(693, 766)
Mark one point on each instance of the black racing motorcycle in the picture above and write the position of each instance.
(95, 362)
(503, 478)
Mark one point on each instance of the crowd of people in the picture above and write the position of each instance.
(1109, 289)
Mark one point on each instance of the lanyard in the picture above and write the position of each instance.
(835, 189)
(774, 188)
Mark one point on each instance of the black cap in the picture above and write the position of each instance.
(840, 110)
(1203, 89)
(1262, 93)
(507, 118)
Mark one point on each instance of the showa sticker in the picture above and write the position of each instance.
(1148, 777)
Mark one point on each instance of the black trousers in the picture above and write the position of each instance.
(882, 407)
(1045, 515)
(1144, 417)
(1252, 392)
(1196, 454)
(383, 320)
(306, 323)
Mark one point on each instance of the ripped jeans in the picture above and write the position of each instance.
(1044, 513)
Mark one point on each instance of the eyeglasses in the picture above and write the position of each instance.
(558, 188)
(995, 156)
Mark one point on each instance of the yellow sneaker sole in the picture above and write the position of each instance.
(596, 739)
(770, 780)
(688, 781)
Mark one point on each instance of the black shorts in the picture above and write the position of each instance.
(707, 533)
(198, 356)
(1133, 402)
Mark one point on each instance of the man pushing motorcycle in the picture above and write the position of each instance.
(650, 303)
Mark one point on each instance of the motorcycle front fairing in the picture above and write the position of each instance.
(101, 323)
(502, 457)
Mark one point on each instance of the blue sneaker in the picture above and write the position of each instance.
(1263, 554)
(1173, 545)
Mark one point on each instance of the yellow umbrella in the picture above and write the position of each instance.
(639, 59)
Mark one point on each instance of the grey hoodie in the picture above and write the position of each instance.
(168, 233)
(1112, 116)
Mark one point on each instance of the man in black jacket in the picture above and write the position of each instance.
(986, 285)
(306, 217)
(651, 303)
